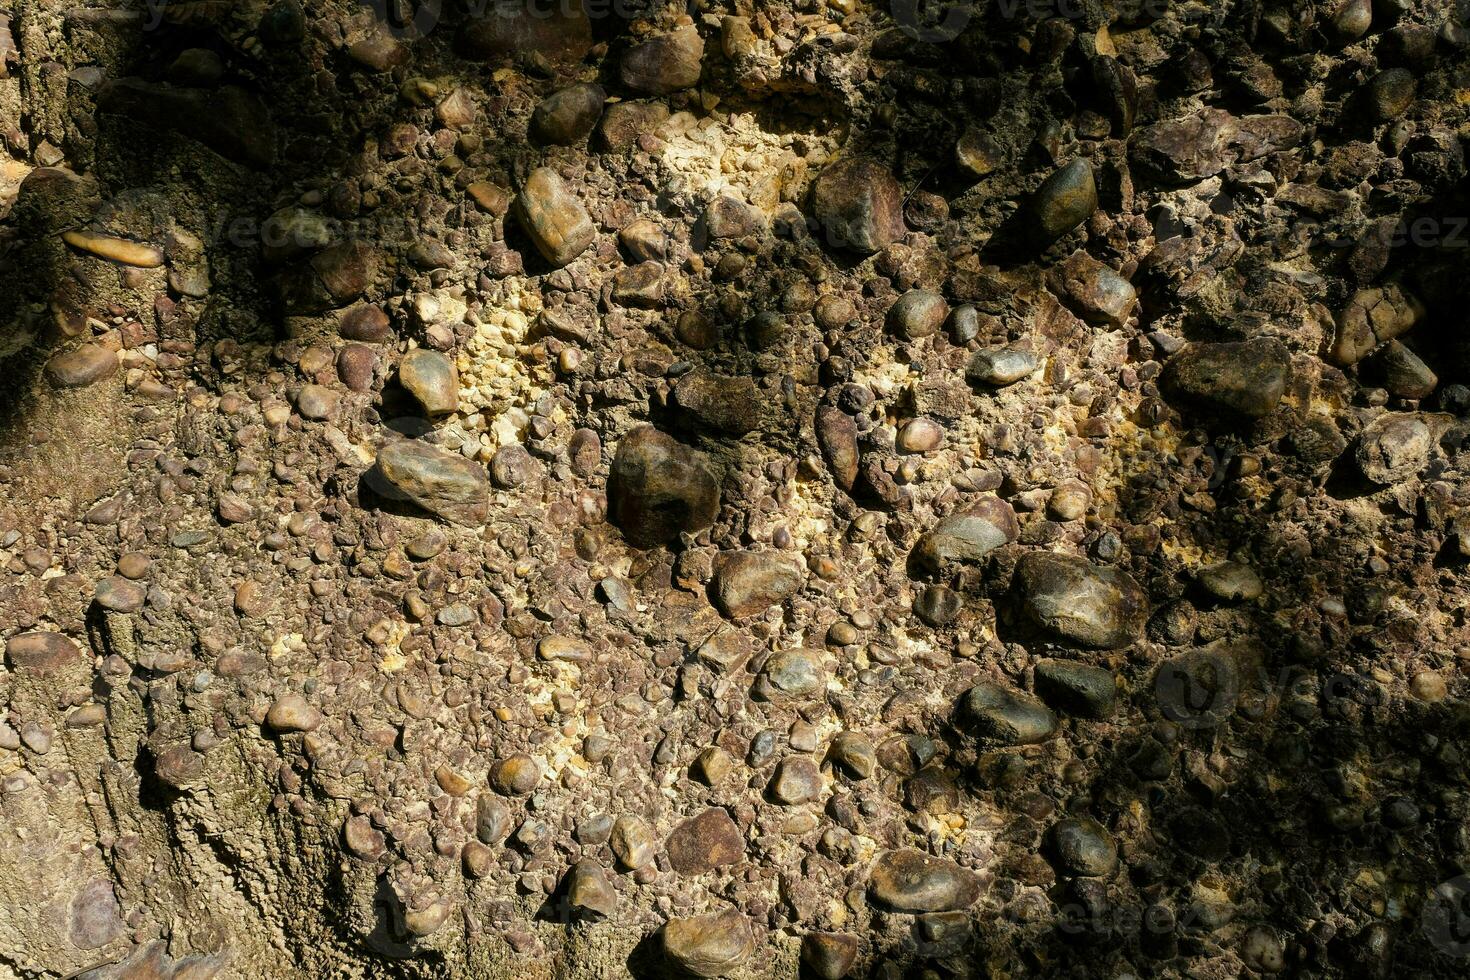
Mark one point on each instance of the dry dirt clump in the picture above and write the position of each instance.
(800, 488)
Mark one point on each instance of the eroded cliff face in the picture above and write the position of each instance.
(569, 490)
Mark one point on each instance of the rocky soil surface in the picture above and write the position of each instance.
(751, 489)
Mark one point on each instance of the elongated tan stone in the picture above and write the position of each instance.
(115, 249)
(553, 217)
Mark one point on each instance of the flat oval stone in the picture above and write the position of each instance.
(709, 945)
(977, 153)
(1096, 291)
(432, 379)
(490, 197)
(512, 466)
(911, 881)
(837, 437)
(516, 775)
(859, 205)
(797, 780)
(179, 766)
(1245, 379)
(1389, 94)
(729, 217)
(362, 838)
(291, 713)
(455, 615)
(918, 313)
(84, 366)
(728, 404)
(703, 843)
(427, 920)
(492, 819)
(317, 402)
(95, 917)
(1083, 848)
(118, 594)
(568, 649)
(999, 716)
(920, 436)
(1002, 366)
(795, 673)
(659, 488)
(356, 365)
(747, 583)
(938, 605)
(569, 115)
(41, 652)
(1090, 605)
(119, 250)
(446, 485)
(968, 536)
(1230, 581)
(664, 64)
(1065, 200)
(1076, 689)
(366, 323)
(557, 223)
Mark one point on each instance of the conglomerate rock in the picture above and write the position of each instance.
(579, 489)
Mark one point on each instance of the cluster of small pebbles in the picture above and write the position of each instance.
(734, 489)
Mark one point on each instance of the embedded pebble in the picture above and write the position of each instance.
(747, 583)
(292, 713)
(858, 205)
(710, 945)
(1002, 366)
(664, 64)
(911, 881)
(1066, 199)
(569, 115)
(660, 488)
(555, 220)
(1083, 848)
(1080, 602)
(703, 843)
(448, 486)
(432, 379)
(994, 714)
(82, 367)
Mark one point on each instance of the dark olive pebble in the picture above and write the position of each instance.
(938, 605)
(763, 747)
(1201, 833)
(1400, 812)
(1064, 201)
(1389, 94)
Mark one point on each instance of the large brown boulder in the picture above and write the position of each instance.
(659, 488)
